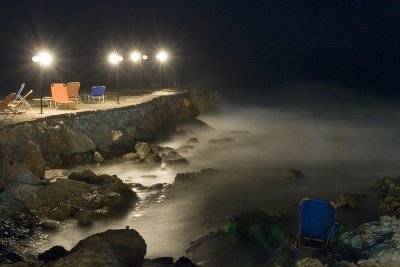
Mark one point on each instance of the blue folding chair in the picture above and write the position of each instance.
(18, 95)
(97, 92)
(317, 223)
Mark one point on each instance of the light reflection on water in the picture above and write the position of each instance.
(341, 153)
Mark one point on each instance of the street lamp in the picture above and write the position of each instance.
(115, 58)
(162, 56)
(138, 56)
(44, 59)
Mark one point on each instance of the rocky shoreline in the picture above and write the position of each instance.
(30, 203)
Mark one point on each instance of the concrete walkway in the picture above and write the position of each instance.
(110, 103)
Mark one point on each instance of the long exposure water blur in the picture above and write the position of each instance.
(339, 149)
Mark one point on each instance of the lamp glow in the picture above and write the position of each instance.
(43, 57)
(162, 56)
(114, 58)
(135, 56)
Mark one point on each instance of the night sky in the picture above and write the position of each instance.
(249, 46)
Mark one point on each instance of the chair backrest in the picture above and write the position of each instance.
(317, 218)
(6, 101)
(73, 89)
(59, 92)
(19, 91)
(98, 90)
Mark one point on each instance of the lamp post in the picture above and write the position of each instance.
(44, 59)
(138, 56)
(115, 58)
(162, 56)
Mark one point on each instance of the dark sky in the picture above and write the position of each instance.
(247, 45)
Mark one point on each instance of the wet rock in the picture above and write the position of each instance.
(389, 195)
(352, 201)
(159, 262)
(309, 262)
(219, 141)
(184, 262)
(193, 140)
(33, 157)
(131, 156)
(378, 241)
(102, 195)
(83, 217)
(53, 254)
(292, 173)
(9, 257)
(192, 176)
(97, 158)
(249, 239)
(124, 247)
(146, 153)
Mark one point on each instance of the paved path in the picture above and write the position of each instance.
(82, 107)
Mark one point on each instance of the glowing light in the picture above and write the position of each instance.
(162, 56)
(135, 56)
(114, 58)
(144, 57)
(43, 58)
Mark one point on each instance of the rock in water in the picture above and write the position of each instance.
(292, 173)
(146, 153)
(53, 254)
(389, 195)
(122, 247)
(33, 157)
(352, 201)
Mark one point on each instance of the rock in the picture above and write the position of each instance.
(193, 140)
(249, 239)
(193, 176)
(83, 217)
(159, 262)
(389, 195)
(53, 254)
(222, 141)
(131, 156)
(206, 100)
(123, 247)
(378, 241)
(184, 262)
(146, 153)
(101, 195)
(352, 201)
(309, 262)
(292, 173)
(33, 157)
(97, 158)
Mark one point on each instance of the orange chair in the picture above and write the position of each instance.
(60, 95)
(73, 91)
(5, 110)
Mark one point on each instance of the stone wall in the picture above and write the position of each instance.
(71, 138)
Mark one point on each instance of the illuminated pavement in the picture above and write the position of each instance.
(110, 103)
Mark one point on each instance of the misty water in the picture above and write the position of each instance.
(340, 148)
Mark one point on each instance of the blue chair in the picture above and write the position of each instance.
(18, 95)
(317, 223)
(97, 92)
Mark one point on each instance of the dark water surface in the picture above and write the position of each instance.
(339, 149)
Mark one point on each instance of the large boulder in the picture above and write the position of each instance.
(378, 241)
(84, 196)
(122, 247)
(249, 239)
